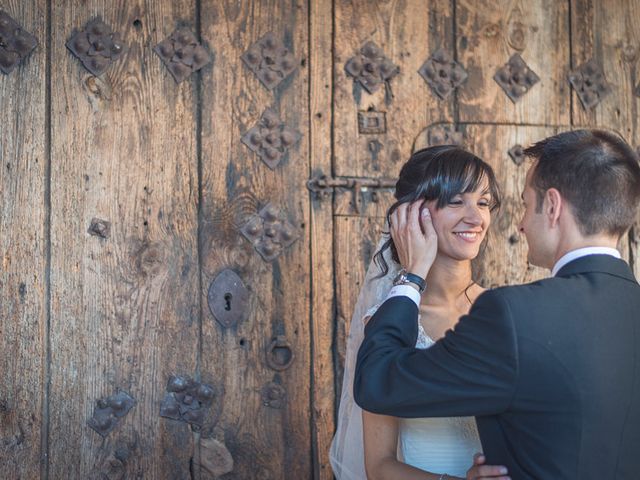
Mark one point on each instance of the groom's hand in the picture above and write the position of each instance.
(414, 237)
(480, 471)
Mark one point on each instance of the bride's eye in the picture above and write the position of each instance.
(455, 201)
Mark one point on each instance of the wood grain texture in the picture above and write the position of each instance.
(265, 442)
(608, 33)
(321, 231)
(23, 246)
(408, 32)
(488, 33)
(124, 308)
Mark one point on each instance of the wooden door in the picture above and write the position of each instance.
(124, 197)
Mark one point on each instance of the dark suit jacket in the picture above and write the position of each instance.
(551, 370)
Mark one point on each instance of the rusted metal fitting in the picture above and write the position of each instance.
(270, 60)
(186, 400)
(274, 395)
(99, 228)
(372, 122)
(371, 68)
(182, 54)
(270, 138)
(108, 412)
(269, 232)
(444, 135)
(228, 299)
(589, 82)
(515, 77)
(517, 154)
(96, 46)
(15, 43)
(442, 73)
(279, 354)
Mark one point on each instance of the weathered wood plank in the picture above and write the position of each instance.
(488, 33)
(321, 231)
(124, 308)
(266, 440)
(23, 247)
(408, 33)
(609, 34)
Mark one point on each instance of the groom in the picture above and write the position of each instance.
(551, 370)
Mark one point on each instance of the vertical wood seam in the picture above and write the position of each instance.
(46, 367)
(571, 105)
(195, 458)
(454, 34)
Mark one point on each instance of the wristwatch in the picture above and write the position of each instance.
(405, 277)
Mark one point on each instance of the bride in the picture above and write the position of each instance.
(461, 191)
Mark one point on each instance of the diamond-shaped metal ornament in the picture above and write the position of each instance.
(442, 73)
(270, 138)
(590, 84)
(515, 77)
(269, 232)
(187, 400)
(97, 46)
(270, 60)
(108, 411)
(15, 43)
(517, 154)
(443, 135)
(182, 54)
(371, 68)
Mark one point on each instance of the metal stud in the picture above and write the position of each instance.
(99, 228)
(443, 135)
(186, 400)
(270, 60)
(182, 54)
(228, 299)
(517, 154)
(15, 43)
(270, 138)
(442, 73)
(590, 84)
(108, 411)
(515, 77)
(371, 68)
(269, 232)
(97, 46)
(274, 395)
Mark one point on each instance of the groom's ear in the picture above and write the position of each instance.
(553, 205)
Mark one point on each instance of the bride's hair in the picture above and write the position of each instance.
(438, 173)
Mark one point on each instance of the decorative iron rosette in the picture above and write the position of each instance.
(15, 43)
(371, 68)
(182, 54)
(96, 46)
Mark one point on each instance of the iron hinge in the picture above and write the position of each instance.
(322, 184)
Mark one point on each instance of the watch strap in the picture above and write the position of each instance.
(417, 279)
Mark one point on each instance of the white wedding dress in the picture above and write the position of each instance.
(437, 445)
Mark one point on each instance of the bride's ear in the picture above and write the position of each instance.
(552, 206)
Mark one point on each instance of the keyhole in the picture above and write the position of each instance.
(227, 301)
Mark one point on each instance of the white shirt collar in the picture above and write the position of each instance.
(581, 252)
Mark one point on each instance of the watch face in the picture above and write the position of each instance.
(400, 279)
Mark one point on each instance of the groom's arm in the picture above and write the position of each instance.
(472, 370)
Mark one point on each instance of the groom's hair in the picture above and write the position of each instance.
(596, 172)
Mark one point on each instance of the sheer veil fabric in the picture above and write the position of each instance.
(347, 447)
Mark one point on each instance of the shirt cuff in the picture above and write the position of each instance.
(405, 291)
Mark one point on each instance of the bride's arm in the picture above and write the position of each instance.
(380, 451)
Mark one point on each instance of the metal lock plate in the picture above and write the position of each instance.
(182, 54)
(228, 299)
(371, 68)
(590, 84)
(515, 77)
(186, 400)
(279, 354)
(270, 60)
(442, 73)
(108, 411)
(15, 43)
(269, 232)
(270, 138)
(97, 46)
(517, 154)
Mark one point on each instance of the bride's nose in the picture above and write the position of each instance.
(472, 215)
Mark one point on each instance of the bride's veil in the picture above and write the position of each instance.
(347, 447)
